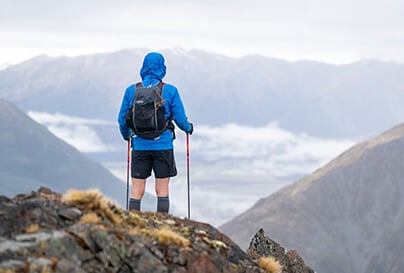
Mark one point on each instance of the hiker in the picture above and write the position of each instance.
(155, 153)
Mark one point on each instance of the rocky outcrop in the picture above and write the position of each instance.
(262, 246)
(81, 231)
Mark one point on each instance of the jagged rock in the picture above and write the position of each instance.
(261, 246)
(79, 232)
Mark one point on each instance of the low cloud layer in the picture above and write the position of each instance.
(233, 166)
(268, 151)
(76, 131)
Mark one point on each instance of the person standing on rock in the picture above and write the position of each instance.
(151, 150)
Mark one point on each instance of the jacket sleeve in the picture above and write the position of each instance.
(125, 106)
(178, 112)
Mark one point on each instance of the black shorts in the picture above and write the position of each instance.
(161, 162)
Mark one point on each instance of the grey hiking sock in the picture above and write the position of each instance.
(134, 204)
(163, 204)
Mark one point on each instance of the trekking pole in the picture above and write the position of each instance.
(189, 198)
(127, 174)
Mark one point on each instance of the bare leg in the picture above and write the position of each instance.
(162, 186)
(137, 192)
(138, 188)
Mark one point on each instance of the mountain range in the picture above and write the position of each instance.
(32, 157)
(345, 217)
(324, 100)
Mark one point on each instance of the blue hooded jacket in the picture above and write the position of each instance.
(152, 72)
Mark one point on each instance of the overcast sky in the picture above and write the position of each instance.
(334, 31)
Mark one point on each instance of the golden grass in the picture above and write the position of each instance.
(32, 267)
(90, 218)
(34, 228)
(166, 236)
(270, 265)
(219, 244)
(92, 199)
(98, 210)
(214, 243)
(134, 231)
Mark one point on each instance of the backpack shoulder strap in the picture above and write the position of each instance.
(137, 85)
(160, 85)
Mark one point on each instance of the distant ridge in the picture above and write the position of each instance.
(32, 157)
(345, 217)
(349, 101)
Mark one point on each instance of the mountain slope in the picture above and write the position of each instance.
(319, 99)
(31, 157)
(345, 217)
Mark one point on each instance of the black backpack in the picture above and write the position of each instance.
(147, 115)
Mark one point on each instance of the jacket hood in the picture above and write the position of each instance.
(153, 67)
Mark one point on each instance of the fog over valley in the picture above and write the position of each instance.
(231, 165)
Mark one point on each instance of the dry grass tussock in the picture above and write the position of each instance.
(34, 228)
(93, 200)
(90, 218)
(98, 210)
(166, 236)
(270, 265)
